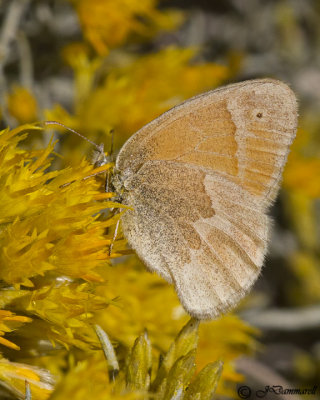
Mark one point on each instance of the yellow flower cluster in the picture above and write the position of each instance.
(303, 169)
(174, 377)
(302, 184)
(108, 23)
(47, 215)
(22, 105)
(54, 253)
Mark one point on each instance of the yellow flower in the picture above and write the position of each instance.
(22, 105)
(302, 184)
(306, 267)
(48, 216)
(54, 243)
(302, 175)
(14, 376)
(108, 23)
(138, 376)
(8, 322)
(303, 167)
(77, 55)
(51, 228)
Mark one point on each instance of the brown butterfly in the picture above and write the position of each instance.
(200, 179)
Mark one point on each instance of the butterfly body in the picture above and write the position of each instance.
(199, 180)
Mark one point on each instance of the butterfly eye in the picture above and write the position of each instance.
(259, 115)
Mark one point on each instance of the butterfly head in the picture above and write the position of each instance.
(100, 158)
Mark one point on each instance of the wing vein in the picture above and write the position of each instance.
(227, 271)
(245, 256)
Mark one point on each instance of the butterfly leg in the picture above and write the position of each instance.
(107, 182)
(114, 237)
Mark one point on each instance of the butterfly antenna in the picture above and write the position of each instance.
(100, 149)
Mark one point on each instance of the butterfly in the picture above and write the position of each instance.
(199, 180)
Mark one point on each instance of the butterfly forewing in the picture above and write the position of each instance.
(199, 179)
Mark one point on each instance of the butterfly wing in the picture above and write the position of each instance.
(200, 178)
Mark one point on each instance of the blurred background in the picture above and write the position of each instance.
(101, 66)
